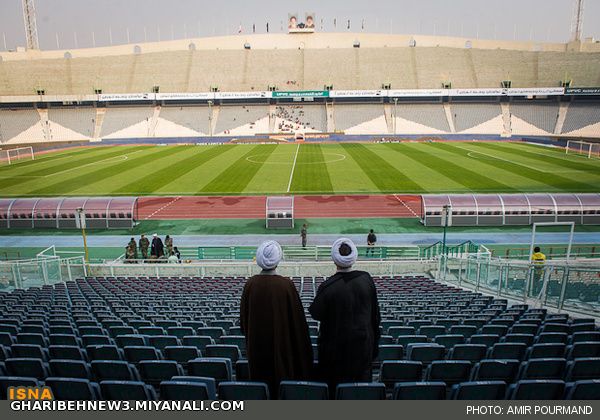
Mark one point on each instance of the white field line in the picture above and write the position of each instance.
(502, 159)
(162, 208)
(293, 168)
(405, 205)
(562, 156)
(124, 155)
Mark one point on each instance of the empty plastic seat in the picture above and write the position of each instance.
(537, 390)
(70, 369)
(360, 391)
(583, 390)
(400, 371)
(300, 390)
(540, 351)
(73, 389)
(64, 340)
(526, 339)
(155, 371)
(114, 370)
(464, 330)
(486, 339)
(224, 351)
(425, 353)
(120, 330)
(449, 341)
(180, 332)
(241, 391)
(583, 327)
(61, 330)
(218, 368)
(151, 331)
(479, 390)
(496, 370)
(242, 370)
(406, 340)
(524, 329)
(580, 337)
(32, 351)
(36, 339)
(67, 352)
(198, 341)
(93, 340)
(130, 340)
(214, 332)
(514, 351)
(26, 367)
(105, 352)
(183, 390)
(135, 354)
(584, 349)
(92, 331)
(500, 330)
(552, 338)
(181, 354)
(431, 331)
(13, 330)
(211, 384)
(397, 331)
(420, 391)
(549, 368)
(161, 341)
(6, 339)
(236, 340)
(9, 381)
(583, 369)
(470, 352)
(127, 390)
(390, 352)
(556, 327)
(449, 371)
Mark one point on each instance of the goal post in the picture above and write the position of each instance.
(584, 148)
(10, 156)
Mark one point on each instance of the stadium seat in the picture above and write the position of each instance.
(211, 384)
(218, 368)
(114, 370)
(120, 330)
(224, 351)
(64, 340)
(297, 390)
(151, 331)
(198, 341)
(95, 340)
(486, 339)
(464, 330)
(26, 367)
(235, 340)
(543, 369)
(583, 349)
(242, 370)
(135, 354)
(181, 354)
(580, 337)
(67, 352)
(552, 338)
(400, 371)
(583, 369)
(513, 351)
(449, 371)
(131, 340)
(556, 327)
(105, 352)
(213, 332)
(500, 330)
(496, 370)
(32, 351)
(154, 371)
(61, 330)
(360, 391)
(431, 331)
(537, 390)
(449, 340)
(8, 381)
(390, 352)
(406, 340)
(397, 331)
(70, 369)
(240, 391)
(36, 339)
(524, 329)
(482, 390)
(544, 350)
(470, 352)
(583, 390)
(425, 353)
(419, 391)
(6, 339)
(161, 341)
(73, 389)
(127, 390)
(583, 327)
(526, 339)
(180, 332)
(183, 390)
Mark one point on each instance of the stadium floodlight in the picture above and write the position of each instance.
(15, 155)
(30, 25)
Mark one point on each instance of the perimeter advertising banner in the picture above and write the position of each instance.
(583, 91)
(301, 94)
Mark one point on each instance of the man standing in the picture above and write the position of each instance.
(539, 260)
(303, 232)
(371, 241)
(144, 245)
(132, 246)
(346, 304)
(157, 249)
(272, 319)
(169, 244)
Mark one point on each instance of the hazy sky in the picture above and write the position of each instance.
(74, 21)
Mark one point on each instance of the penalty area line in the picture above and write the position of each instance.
(293, 168)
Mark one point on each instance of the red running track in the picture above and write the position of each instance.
(253, 207)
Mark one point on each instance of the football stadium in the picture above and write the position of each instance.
(306, 211)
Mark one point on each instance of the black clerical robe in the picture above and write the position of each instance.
(277, 339)
(346, 304)
(157, 247)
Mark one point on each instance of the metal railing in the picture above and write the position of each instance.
(572, 285)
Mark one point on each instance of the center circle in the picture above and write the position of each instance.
(327, 157)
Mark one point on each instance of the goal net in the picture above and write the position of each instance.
(19, 154)
(584, 148)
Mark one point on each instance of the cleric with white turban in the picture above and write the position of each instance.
(344, 256)
(268, 255)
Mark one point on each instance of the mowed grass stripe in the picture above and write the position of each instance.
(238, 175)
(311, 174)
(471, 180)
(78, 179)
(562, 162)
(172, 170)
(386, 177)
(551, 180)
(44, 158)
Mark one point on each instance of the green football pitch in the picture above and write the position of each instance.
(301, 169)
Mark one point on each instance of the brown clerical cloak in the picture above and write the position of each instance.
(346, 304)
(277, 339)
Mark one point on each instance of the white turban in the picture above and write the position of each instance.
(344, 261)
(268, 255)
